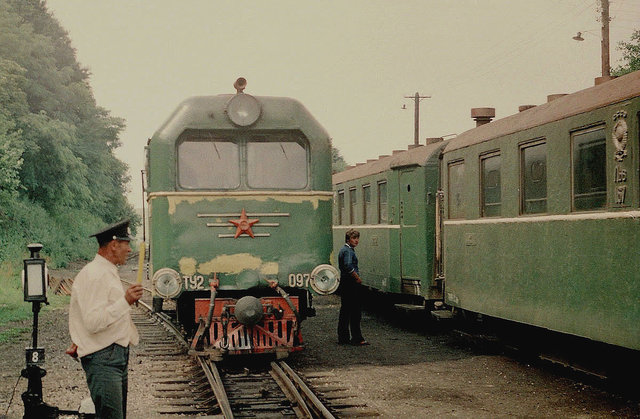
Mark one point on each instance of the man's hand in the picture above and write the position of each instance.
(133, 293)
(357, 277)
(72, 351)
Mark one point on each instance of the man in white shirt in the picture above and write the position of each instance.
(100, 323)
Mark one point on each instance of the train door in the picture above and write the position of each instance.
(410, 254)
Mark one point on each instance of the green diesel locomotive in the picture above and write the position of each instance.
(239, 193)
(533, 218)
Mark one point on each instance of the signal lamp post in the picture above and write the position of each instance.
(34, 278)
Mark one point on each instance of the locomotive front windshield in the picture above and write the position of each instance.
(212, 164)
(276, 163)
(257, 162)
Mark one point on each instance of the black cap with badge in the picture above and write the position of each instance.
(117, 231)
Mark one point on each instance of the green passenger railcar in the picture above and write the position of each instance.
(542, 215)
(239, 193)
(393, 202)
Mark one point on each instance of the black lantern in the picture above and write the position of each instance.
(35, 275)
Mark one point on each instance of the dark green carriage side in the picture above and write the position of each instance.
(190, 223)
(397, 246)
(565, 257)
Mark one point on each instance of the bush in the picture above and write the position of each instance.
(64, 237)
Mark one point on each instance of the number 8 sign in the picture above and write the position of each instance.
(35, 356)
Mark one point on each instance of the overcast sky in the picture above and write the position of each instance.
(350, 62)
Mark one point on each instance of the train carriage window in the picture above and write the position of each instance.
(589, 170)
(533, 169)
(276, 163)
(491, 185)
(341, 217)
(208, 165)
(367, 211)
(382, 203)
(455, 198)
(352, 205)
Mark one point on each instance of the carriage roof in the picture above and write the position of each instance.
(417, 156)
(613, 91)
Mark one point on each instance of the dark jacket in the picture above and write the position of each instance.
(348, 263)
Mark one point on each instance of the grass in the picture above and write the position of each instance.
(13, 308)
(13, 333)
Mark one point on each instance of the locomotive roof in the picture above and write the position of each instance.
(616, 90)
(208, 112)
(414, 156)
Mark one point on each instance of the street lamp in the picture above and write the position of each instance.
(604, 41)
(34, 278)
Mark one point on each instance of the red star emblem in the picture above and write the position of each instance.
(243, 224)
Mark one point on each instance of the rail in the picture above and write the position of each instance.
(215, 381)
(312, 402)
(304, 403)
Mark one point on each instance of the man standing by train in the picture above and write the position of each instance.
(100, 322)
(350, 291)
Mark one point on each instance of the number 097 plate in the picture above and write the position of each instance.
(35, 356)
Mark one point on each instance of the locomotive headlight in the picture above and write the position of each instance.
(167, 283)
(324, 279)
(249, 310)
(243, 109)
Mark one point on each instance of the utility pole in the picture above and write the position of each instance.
(606, 69)
(416, 117)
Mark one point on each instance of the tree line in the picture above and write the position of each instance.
(59, 178)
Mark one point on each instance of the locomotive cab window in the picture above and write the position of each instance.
(589, 169)
(490, 185)
(276, 163)
(533, 169)
(211, 164)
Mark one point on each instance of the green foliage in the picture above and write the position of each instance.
(59, 178)
(13, 104)
(11, 149)
(62, 181)
(630, 55)
(338, 164)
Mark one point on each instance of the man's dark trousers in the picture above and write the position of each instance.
(106, 372)
(350, 314)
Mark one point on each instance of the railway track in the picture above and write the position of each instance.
(194, 385)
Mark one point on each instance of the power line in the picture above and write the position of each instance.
(498, 58)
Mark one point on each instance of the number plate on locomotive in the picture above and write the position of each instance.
(299, 280)
(194, 283)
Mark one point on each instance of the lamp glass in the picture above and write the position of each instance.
(243, 110)
(34, 280)
(325, 279)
